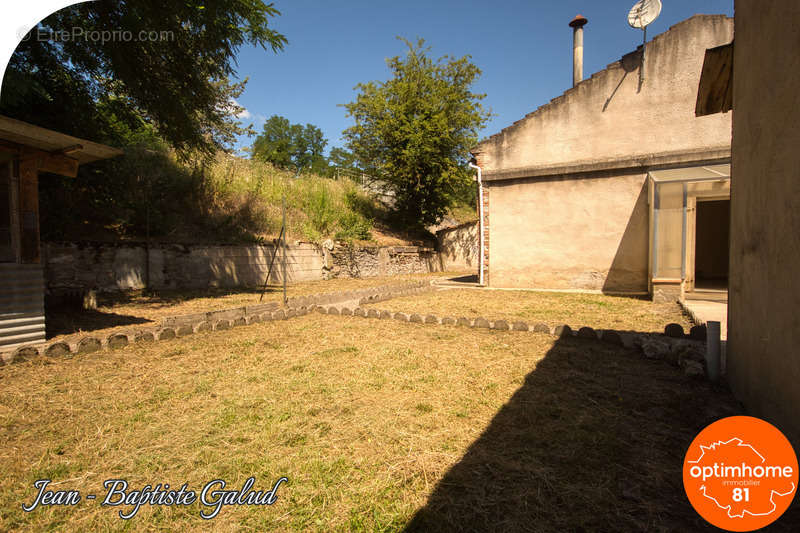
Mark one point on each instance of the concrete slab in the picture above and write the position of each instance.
(704, 310)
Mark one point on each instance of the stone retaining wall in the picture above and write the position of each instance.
(112, 267)
(364, 262)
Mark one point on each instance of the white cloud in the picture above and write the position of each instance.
(245, 114)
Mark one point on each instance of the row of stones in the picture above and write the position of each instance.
(686, 352)
(119, 340)
(363, 296)
(115, 341)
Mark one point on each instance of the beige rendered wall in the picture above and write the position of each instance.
(764, 301)
(570, 233)
(607, 117)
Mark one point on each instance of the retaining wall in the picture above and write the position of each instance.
(458, 246)
(71, 266)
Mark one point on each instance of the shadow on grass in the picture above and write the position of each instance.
(594, 440)
(65, 321)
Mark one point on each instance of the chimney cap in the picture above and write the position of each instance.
(579, 21)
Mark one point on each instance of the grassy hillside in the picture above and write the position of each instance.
(150, 193)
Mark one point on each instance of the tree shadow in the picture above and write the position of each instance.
(593, 440)
(63, 321)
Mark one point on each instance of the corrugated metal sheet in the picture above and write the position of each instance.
(21, 305)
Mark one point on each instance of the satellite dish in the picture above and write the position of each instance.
(643, 13)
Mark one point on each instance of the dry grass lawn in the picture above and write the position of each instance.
(598, 311)
(378, 425)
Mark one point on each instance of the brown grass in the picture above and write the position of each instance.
(598, 311)
(373, 422)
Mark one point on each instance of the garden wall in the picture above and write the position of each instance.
(71, 266)
(458, 246)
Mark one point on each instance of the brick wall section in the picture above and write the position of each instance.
(486, 212)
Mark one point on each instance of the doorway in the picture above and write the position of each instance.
(712, 237)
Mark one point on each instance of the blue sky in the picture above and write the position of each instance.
(523, 47)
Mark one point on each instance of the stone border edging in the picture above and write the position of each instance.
(673, 346)
(183, 325)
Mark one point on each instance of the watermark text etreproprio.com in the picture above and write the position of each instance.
(78, 34)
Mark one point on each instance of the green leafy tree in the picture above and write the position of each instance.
(415, 130)
(89, 67)
(342, 158)
(291, 146)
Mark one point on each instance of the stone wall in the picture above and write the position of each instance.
(110, 267)
(364, 262)
(458, 246)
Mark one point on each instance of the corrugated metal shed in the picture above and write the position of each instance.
(21, 305)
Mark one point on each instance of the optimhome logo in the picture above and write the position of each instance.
(740, 473)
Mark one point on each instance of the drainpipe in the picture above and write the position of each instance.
(480, 215)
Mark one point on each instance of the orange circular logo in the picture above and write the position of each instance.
(740, 473)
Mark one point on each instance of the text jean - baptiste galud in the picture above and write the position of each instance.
(214, 496)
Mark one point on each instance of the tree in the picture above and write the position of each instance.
(415, 130)
(342, 158)
(291, 146)
(91, 66)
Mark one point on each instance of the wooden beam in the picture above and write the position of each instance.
(59, 164)
(53, 163)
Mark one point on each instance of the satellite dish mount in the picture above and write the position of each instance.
(642, 14)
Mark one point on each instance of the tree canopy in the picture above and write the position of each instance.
(415, 130)
(291, 146)
(97, 69)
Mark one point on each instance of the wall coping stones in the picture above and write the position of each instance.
(464, 321)
(481, 322)
(57, 349)
(166, 334)
(674, 330)
(88, 345)
(117, 340)
(416, 318)
(562, 331)
(373, 313)
(182, 331)
(400, 316)
(501, 325)
(587, 333)
(144, 336)
(542, 328)
(519, 326)
(431, 319)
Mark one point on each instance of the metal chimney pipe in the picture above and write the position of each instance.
(577, 25)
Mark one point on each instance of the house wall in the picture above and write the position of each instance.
(566, 205)
(763, 360)
(607, 116)
(571, 232)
